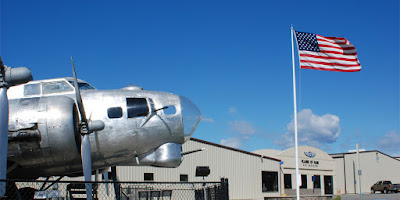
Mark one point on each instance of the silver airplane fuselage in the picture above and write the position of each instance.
(140, 128)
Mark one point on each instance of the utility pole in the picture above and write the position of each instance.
(358, 169)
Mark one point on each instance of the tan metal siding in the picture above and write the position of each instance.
(375, 167)
(242, 170)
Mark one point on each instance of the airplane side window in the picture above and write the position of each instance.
(115, 112)
(56, 87)
(171, 110)
(137, 107)
(32, 89)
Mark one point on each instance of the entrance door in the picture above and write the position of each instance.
(328, 182)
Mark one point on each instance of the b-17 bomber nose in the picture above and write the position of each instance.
(191, 117)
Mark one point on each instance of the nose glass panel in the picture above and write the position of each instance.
(191, 117)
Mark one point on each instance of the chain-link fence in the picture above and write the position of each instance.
(70, 190)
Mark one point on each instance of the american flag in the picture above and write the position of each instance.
(326, 53)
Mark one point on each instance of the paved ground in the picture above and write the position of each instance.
(377, 196)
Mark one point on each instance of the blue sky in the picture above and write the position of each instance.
(231, 58)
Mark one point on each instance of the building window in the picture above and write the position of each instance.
(148, 176)
(137, 107)
(184, 178)
(288, 181)
(269, 181)
(317, 181)
(303, 181)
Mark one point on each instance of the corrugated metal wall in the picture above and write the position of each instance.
(375, 167)
(242, 169)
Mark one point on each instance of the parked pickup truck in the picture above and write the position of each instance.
(385, 187)
(395, 188)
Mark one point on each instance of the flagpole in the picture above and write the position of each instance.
(295, 121)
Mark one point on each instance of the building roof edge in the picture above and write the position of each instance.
(370, 151)
(233, 149)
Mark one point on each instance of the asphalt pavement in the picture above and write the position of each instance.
(376, 196)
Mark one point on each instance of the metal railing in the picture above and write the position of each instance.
(70, 190)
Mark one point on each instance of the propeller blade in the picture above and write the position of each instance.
(117, 187)
(85, 131)
(3, 138)
(105, 178)
(78, 95)
(3, 128)
(87, 164)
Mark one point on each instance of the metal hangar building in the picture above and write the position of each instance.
(374, 166)
(317, 171)
(269, 173)
(250, 175)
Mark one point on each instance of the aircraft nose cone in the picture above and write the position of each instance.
(191, 116)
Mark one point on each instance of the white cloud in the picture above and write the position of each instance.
(313, 130)
(285, 141)
(244, 128)
(232, 142)
(240, 130)
(390, 143)
(208, 120)
(232, 110)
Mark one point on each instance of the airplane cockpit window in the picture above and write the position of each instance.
(31, 89)
(83, 85)
(137, 107)
(56, 87)
(115, 112)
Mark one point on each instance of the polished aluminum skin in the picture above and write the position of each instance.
(167, 155)
(8, 77)
(44, 140)
(3, 137)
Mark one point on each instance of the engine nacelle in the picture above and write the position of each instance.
(53, 121)
(167, 155)
(18, 75)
